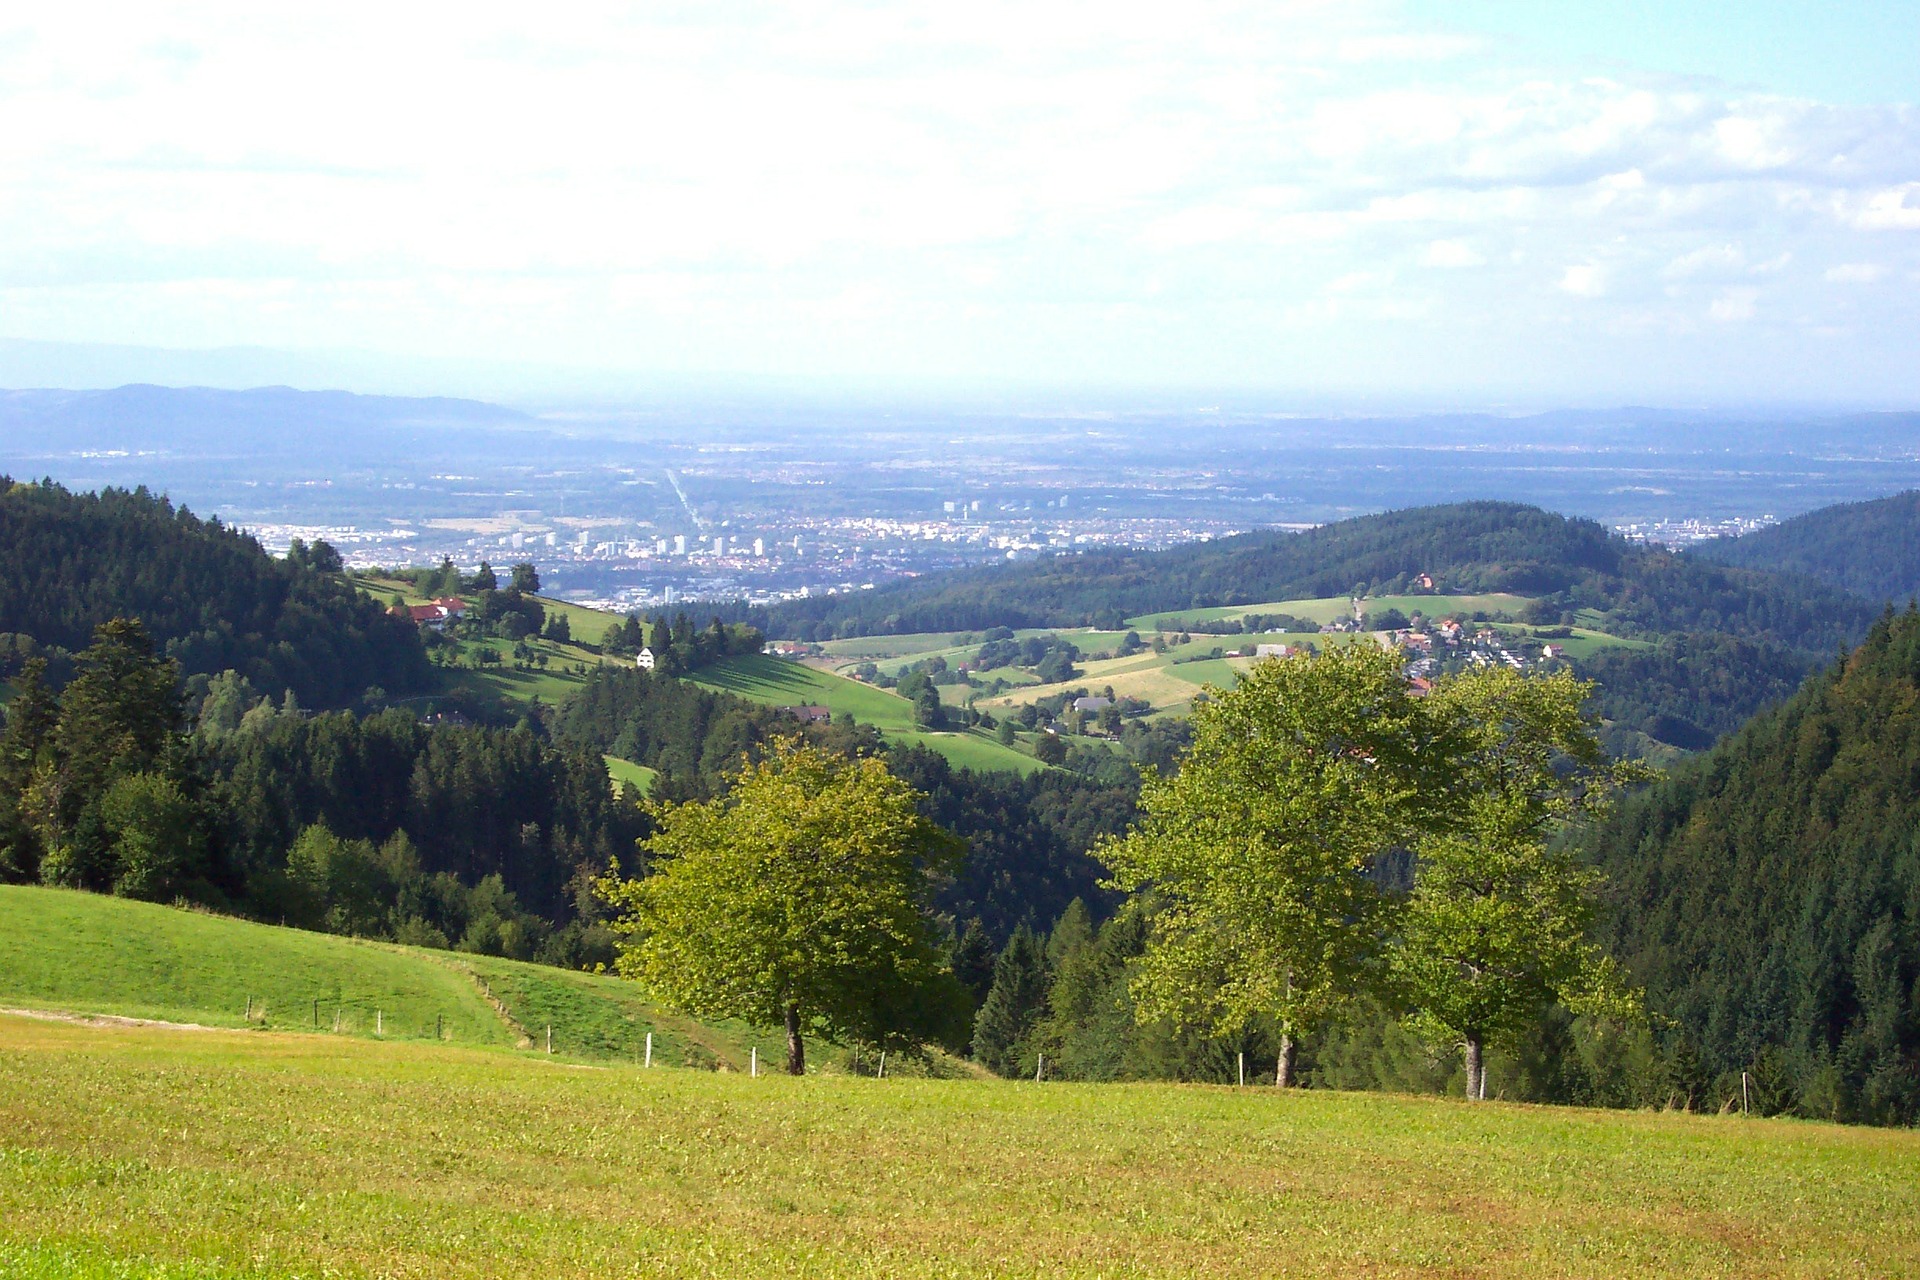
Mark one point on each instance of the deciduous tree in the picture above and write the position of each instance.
(1497, 922)
(1259, 846)
(798, 899)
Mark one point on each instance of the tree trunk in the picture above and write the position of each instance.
(1476, 1070)
(1283, 1072)
(796, 1047)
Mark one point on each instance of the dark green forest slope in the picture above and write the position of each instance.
(1871, 549)
(1027, 835)
(208, 596)
(1638, 590)
(1768, 892)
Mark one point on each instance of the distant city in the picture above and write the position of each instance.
(639, 509)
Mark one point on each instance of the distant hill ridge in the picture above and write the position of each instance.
(270, 420)
(1871, 549)
(1465, 547)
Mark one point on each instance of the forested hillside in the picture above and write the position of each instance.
(1467, 547)
(207, 595)
(1688, 690)
(1027, 836)
(1768, 892)
(379, 827)
(1871, 549)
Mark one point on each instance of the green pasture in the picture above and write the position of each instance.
(583, 624)
(1583, 643)
(215, 1155)
(973, 749)
(627, 771)
(83, 953)
(61, 949)
(781, 682)
(1325, 609)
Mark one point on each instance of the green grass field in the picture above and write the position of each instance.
(782, 683)
(1326, 609)
(627, 771)
(143, 1152)
(87, 953)
(779, 682)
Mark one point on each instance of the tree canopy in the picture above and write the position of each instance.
(1265, 856)
(798, 899)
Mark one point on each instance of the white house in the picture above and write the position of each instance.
(644, 659)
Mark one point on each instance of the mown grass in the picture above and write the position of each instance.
(1324, 609)
(782, 683)
(132, 1151)
(625, 771)
(81, 952)
(66, 951)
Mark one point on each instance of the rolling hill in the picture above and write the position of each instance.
(1572, 565)
(209, 597)
(82, 953)
(1871, 549)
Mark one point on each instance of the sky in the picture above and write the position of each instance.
(1456, 202)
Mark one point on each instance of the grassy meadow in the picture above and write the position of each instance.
(150, 1152)
(623, 771)
(1326, 609)
(91, 954)
(780, 682)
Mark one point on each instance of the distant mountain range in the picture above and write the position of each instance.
(264, 421)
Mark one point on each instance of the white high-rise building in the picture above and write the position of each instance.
(759, 546)
(719, 544)
(679, 544)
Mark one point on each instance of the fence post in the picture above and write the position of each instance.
(883, 1064)
(1743, 1093)
(549, 1037)
(649, 1048)
(316, 1015)
(1243, 1068)
(249, 1008)
(1040, 1069)
(753, 1062)
(379, 1022)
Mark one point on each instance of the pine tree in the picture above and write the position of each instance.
(1013, 1006)
(29, 723)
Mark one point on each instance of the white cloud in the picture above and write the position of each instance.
(991, 190)
(1734, 305)
(1584, 280)
(1451, 253)
(1854, 273)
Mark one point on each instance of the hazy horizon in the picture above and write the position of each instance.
(1410, 205)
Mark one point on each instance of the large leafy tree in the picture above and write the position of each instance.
(1259, 847)
(798, 899)
(1496, 925)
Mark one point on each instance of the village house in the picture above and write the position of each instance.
(434, 616)
(644, 659)
(808, 714)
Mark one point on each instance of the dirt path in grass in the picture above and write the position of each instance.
(105, 1020)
